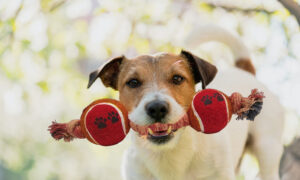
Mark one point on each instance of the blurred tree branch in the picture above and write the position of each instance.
(239, 9)
(293, 7)
(56, 5)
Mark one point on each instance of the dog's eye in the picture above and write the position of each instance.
(133, 83)
(176, 79)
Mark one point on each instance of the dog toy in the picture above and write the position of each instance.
(105, 122)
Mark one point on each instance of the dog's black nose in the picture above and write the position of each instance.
(157, 109)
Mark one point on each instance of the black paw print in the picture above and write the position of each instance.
(114, 117)
(218, 96)
(206, 99)
(100, 122)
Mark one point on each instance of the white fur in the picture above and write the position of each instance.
(193, 155)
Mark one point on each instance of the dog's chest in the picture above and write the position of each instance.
(169, 165)
(186, 161)
(175, 166)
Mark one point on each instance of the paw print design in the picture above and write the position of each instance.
(218, 96)
(114, 117)
(101, 122)
(206, 100)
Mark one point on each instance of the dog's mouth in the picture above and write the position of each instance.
(160, 137)
(160, 132)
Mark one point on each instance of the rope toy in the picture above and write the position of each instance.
(105, 122)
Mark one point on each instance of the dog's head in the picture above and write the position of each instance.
(156, 88)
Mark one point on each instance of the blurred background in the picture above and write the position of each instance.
(48, 48)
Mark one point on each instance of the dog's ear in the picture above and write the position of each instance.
(201, 69)
(108, 73)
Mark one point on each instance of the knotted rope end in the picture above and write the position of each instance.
(248, 107)
(67, 131)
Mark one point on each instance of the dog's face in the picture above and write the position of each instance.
(156, 89)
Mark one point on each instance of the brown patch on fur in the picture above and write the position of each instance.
(156, 73)
(108, 73)
(202, 70)
(246, 65)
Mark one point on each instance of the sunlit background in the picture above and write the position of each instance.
(48, 48)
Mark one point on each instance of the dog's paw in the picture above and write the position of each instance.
(100, 122)
(114, 117)
(206, 100)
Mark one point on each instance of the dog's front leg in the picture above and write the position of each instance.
(133, 169)
(228, 176)
(226, 170)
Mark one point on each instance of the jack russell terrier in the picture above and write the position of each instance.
(160, 88)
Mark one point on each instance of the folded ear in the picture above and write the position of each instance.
(201, 69)
(108, 73)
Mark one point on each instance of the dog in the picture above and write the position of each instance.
(160, 88)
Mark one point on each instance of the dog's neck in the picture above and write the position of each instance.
(162, 158)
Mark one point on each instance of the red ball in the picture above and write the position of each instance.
(105, 122)
(210, 111)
